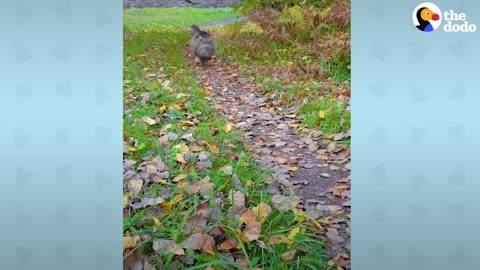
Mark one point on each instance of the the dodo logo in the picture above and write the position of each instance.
(427, 17)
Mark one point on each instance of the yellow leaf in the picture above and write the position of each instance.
(149, 121)
(132, 149)
(179, 158)
(166, 205)
(293, 169)
(156, 221)
(262, 211)
(179, 177)
(186, 123)
(125, 201)
(331, 263)
(182, 148)
(183, 185)
(163, 108)
(293, 233)
(178, 198)
(322, 114)
(130, 242)
(227, 128)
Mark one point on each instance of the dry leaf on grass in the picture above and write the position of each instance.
(253, 230)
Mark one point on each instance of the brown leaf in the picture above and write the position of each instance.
(169, 246)
(242, 262)
(281, 160)
(196, 148)
(194, 242)
(208, 245)
(337, 190)
(289, 256)
(238, 199)
(279, 239)
(230, 243)
(151, 169)
(253, 230)
(248, 217)
(214, 148)
(195, 224)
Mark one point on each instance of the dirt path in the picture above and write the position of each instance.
(308, 166)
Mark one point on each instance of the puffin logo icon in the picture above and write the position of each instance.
(427, 17)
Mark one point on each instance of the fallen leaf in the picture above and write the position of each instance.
(194, 242)
(283, 203)
(138, 203)
(125, 201)
(179, 158)
(242, 236)
(135, 186)
(208, 245)
(168, 246)
(293, 233)
(196, 148)
(151, 169)
(242, 262)
(253, 230)
(214, 148)
(281, 160)
(149, 120)
(279, 239)
(262, 211)
(230, 243)
(227, 128)
(248, 217)
(325, 175)
(338, 190)
(334, 208)
(228, 170)
(179, 177)
(293, 169)
(195, 224)
(130, 242)
(289, 255)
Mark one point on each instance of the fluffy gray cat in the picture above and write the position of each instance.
(202, 45)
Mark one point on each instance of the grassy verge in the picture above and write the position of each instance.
(186, 160)
(298, 54)
(173, 18)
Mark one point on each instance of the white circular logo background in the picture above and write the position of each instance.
(434, 8)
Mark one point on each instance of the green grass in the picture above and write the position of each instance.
(151, 58)
(150, 18)
(326, 114)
